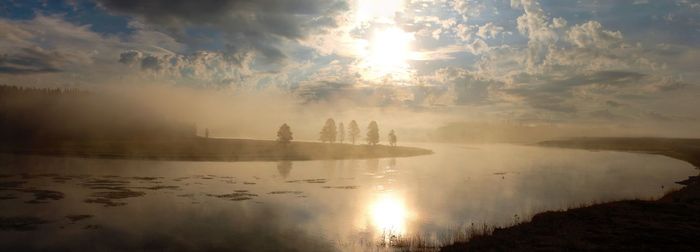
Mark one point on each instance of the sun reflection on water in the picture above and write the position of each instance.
(389, 214)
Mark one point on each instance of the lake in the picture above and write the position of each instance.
(100, 204)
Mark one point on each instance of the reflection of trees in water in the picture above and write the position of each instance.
(392, 163)
(372, 165)
(329, 168)
(329, 164)
(284, 168)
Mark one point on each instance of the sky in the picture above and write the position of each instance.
(546, 61)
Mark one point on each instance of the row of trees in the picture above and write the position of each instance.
(330, 133)
(6, 89)
(39, 116)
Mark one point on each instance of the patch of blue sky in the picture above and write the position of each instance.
(80, 13)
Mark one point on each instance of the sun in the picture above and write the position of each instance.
(385, 51)
(386, 54)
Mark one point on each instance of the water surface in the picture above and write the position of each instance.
(88, 204)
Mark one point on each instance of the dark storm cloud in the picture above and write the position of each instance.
(29, 61)
(258, 25)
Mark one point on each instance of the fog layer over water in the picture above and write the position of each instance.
(322, 205)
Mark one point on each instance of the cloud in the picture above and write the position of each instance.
(478, 46)
(464, 32)
(258, 25)
(202, 68)
(30, 61)
(535, 26)
(601, 78)
(69, 53)
(563, 95)
(489, 30)
(559, 22)
(591, 34)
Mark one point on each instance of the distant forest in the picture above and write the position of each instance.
(34, 115)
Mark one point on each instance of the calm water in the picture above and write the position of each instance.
(83, 204)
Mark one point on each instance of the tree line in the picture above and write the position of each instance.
(330, 133)
(6, 90)
(41, 115)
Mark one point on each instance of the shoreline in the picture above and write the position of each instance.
(669, 223)
(211, 149)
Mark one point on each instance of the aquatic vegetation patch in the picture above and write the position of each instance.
(61, 179)
(7, 196)
(92, 227)
(11, 184)
(44, 194)
(285, 192)
(104, 201)
(340, 187)
(159, 187)
(20, 223)
(120, 194)
(39, 175)
(106, 198)
(105, 184)
(236, 196)
(312, 181)
(78, 217)
(146, 178)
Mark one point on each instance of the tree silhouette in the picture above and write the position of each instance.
(372, 133)
(284, 134)
(341, 132)
(353, 131)
(328, 132)
(392, 138)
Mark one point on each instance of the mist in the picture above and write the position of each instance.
(256, 114)
(349, 125)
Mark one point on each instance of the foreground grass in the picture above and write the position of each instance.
(671, 223)
(209, 149)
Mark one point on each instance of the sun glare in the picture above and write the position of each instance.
(387, 54)
(388, 213)
(374, 10)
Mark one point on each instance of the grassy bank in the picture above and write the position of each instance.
(671, 223)
(208, 149)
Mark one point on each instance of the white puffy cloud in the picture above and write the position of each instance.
(478, 46)
(559, 22)
(592, 34)
(464, 32)
(489, 30)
